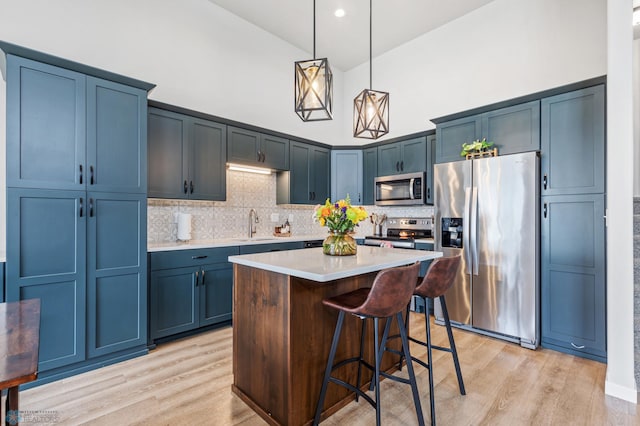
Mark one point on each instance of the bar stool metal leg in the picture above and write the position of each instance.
(376, 350)
(432, 398)
(412, 376)
(452, 344)
(362, 334)
(327, 373)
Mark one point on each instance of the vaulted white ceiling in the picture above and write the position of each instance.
(345, 41)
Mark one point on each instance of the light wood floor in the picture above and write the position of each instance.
(188, 382)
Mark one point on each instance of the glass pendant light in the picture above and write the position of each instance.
(370, 107)
(314, 85)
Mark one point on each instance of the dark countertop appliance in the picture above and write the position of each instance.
(402, 232)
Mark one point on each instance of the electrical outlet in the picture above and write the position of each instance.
(275, 217)
(290, 217)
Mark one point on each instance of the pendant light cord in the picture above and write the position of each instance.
(370, 46)
(314, 29)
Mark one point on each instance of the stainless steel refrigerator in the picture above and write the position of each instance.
(487, 211)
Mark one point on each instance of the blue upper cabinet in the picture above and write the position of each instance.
(46, 131)
(512, 129)
(369, 173)
(346, 175)
(307, 181)
(573, 142)
(207, 160)
(187, 157)
(431, 156)
(257, 149)
(116, 137)
(70, 131)
(403, 157)
(452, 134)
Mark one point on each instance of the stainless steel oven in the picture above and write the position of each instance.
(400, 190)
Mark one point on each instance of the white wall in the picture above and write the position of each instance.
(620, 379)
(636, 116)
(505, 49)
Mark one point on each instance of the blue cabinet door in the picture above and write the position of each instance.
(243, 146)
(168, 154)
(46, 135)
(414, 155)
(117, 272)
(116, 137)
(389, 159)
(46, 259)
(573, 142)
(173, 301)
(431, 156)
(513, 129)
(346, 175)
(274, 152)
(451, 135)
(370, 171)
(215, 293)
(207, 160)
(573, 292)
(320, 174)
(299, 178)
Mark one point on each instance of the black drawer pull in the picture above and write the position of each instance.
(202, 282)
(544, 181)
(202, 256)
(191, 187)
(80, 174)
(186, 188)
(90, 175)
(81, 211)
(90, 207)
(197, 273)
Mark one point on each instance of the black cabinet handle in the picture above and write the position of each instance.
(359, 198)
(310, 196)
(81, 213)
(544, 181)
(191, 187)
(197, 277)
(202, 280)
(90, 175)
(90, 207)
(80, 174)
(314, 195)
(202, 256)
(428, 192)
(397, 166)
(186, 189)
(402, 166)
(544, 209)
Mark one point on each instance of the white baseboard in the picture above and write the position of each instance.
(621, 392)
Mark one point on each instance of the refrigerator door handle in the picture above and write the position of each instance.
(465, 229)
(474, 230)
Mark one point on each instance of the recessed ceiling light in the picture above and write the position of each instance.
(339, 13)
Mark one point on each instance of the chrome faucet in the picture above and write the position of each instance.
(253, 219)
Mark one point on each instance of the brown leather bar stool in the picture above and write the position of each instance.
(439, 278)
(388, 296)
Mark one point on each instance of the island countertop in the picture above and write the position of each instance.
(312, 264)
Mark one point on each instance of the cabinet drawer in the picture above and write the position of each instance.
(186, 258)
(261, 248)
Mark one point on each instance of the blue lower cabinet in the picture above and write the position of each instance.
(173, 301)
(189, 289)
(424, 265)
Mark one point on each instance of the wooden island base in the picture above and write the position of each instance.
(281, 339)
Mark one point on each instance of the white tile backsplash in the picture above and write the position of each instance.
(229, 219)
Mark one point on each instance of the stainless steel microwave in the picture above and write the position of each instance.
(400, 190)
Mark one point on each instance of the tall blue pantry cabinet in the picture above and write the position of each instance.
(76, 208)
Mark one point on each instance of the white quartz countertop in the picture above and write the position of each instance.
(313, 265)
(229, 242)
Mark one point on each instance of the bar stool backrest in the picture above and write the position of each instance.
(391, 292)
(439, 277)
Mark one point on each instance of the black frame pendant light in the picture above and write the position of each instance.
(371, 107)
(314, 85)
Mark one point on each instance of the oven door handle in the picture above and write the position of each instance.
(411, 194)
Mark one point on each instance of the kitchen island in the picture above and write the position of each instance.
(282, 332)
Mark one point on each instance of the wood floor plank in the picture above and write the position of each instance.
(188, 382)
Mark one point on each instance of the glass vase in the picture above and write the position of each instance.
(339, 244)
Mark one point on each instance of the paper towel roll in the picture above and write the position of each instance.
(184, 226)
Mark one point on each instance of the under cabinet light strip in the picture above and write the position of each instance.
(248, 169)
